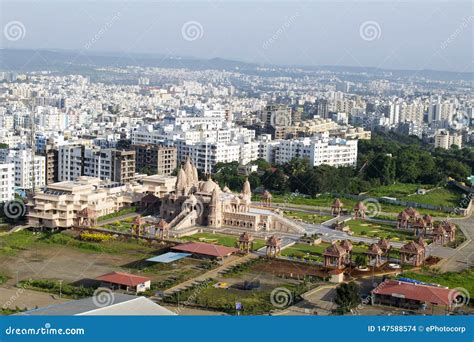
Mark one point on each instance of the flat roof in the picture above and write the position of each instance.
(205, 249)
(168, 257)
(123, 279)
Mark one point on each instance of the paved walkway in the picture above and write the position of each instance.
(211, 274)
(115, 219)
(463, 257)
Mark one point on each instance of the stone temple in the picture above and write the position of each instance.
(204, 203)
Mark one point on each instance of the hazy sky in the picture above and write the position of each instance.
(389, 34)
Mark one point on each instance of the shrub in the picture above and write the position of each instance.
(95, 237)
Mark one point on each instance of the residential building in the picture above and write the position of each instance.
(30, 169)
(445, 139)
(7, 182)
(157, 159)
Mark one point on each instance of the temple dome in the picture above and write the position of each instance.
(208, 186)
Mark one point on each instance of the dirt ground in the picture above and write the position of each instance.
(289, 269)
(13, 297)
(73, 265)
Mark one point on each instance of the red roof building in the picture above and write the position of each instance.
(126, 281)
(413, 296)
(207, 249)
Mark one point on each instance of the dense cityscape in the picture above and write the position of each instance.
(236, 170)
(265, 191)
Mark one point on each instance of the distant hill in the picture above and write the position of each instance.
(58, 60)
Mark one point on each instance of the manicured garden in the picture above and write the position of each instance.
(119, 213)
(378, 230)
(307, 217)
(315, 252)
(254, 302)
(221, 239)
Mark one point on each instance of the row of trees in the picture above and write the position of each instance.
(381, 161)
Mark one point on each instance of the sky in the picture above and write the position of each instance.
(418, 34)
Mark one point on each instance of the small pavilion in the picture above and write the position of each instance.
(245, 242)
(412, 253)
(335, 256)
(385, 246)
(336, 207)
(273, 246)
(359, 210)
(85, 218)
(266, 199)
(137, 226)
(162, 229)
(374, 254)
(450, 229)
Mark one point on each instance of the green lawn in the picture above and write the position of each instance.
(16, 242)
(315, 252)
(379, 230)
(221, 239)
(307, 217)
(121, 212)
(397, 190)
(327, 200)
(463, 279)
(444, 197)
(254, 302)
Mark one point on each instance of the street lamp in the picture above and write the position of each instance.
(60, 288)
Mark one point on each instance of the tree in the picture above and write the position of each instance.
(360, 260)
(347, 296)
(275, 180)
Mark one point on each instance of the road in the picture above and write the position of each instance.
(463, 257)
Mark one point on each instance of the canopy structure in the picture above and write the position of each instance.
(168, 257)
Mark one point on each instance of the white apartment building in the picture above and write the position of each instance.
(441, 111)
(412, 112)
(206, 155)
(444, 139)
(318, 150)
(206, 146)
(29, 171)
(7, 182)
(70, 162)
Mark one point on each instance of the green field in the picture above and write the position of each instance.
(11, 244)
(307, 217)
(121, 212)
(315, 252)
(378, 230)
(452, 280)
(397, 190)
(325, 201)
(254, 302)
(444, 197)
(221, 239)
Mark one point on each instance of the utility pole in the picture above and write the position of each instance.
(33, 147)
